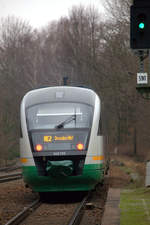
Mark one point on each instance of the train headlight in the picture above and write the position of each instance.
(39, 147)
(80, 146)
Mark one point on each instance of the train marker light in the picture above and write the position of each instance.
(38, 147)
(80, 146)
(23, 160)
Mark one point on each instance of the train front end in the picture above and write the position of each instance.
(59, 146)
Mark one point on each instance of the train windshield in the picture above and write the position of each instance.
(59, 115)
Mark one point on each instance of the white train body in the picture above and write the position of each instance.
(61, 148)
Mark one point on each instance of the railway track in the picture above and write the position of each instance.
(9, 169)
(10, 177)
(75, 219)
(78, 213)
(24, 213)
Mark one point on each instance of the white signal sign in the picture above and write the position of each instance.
(142, 78)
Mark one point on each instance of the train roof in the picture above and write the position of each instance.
(60, 94)
(76, 86)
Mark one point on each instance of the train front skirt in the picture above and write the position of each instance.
(92, 175)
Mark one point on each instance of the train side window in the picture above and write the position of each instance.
(21, 131)
(100, 126)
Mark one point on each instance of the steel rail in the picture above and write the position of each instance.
(24, 213)
(13, 168)
(78, 213)
(3, 169)
(7, 169)
(10, 177)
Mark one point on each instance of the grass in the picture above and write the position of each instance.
(135, 207)
(134, 198)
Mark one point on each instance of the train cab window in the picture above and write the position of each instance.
(55, 115)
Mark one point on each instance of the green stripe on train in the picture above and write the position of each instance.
(92, 174)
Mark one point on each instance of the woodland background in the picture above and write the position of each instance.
(92, 50)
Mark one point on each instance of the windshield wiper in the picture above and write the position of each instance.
(68, 120)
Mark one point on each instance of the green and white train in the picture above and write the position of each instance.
(61, 145)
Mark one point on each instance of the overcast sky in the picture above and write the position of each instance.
(39, 12)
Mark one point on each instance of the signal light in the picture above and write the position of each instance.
(141, 26)
(39, 147)
(141, 21)
(80, 146)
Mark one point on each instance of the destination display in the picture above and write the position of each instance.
(49, 139)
